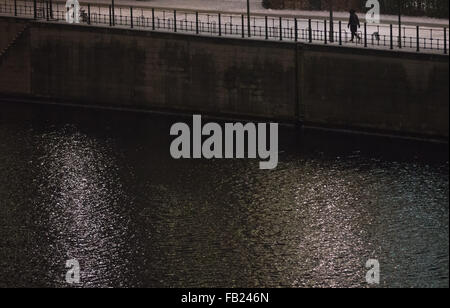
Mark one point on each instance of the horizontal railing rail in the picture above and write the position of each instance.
(379, 36)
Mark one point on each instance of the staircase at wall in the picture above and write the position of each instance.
(4, 53)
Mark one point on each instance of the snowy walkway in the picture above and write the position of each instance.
(227, 18)
(239, 6)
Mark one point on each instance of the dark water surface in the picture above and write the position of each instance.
(101, 187)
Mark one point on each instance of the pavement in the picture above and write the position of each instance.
(240, 6)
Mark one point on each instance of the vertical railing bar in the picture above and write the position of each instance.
(310, 30)
(113, 11)
(243, 26)
(392, 36)
(296, 29)
(445, 40)
(418, 38)
(174, 20)
(281, 28)
(365, 35)
(89, 14)
(266, 25)
(196, 23)
(340, 33)
(220, 24)
(153, 19)
(131, 18)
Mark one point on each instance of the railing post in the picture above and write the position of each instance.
(267, 27)
(89, 14)
(365, 34)
(46, 11)
(196, 23)
(35, 9)
(110, 18)
(243, 26)
(174, 20)
(296, 29)
(331, 27)
(153, 19)
(418, 38)
(392, 37)
(15, 7)
(131, 17)
(220, 24)
(340, 33)
(325, 31)
(113, 11)
(281, 28)
(310, 30)
(249, 26)
(445, 41)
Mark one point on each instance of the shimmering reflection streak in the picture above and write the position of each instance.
(86, 219)
(335, 226)
(316, 229)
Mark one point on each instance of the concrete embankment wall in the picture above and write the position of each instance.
(15, 66)
(325, 86)
(380, 91)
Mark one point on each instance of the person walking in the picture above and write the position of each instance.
(354, 25)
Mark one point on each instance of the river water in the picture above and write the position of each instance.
(101, 187)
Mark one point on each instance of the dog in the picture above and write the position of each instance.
(376, 35)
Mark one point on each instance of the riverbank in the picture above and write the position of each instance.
(404, 93)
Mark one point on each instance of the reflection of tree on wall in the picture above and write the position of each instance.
(433, 8)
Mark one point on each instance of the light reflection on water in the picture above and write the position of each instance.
(101, 187)
(81, 200)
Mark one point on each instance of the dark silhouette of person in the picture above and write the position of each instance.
(354, 24)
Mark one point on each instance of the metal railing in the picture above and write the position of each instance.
(381, 36)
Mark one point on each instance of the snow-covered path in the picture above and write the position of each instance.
(239, 6)
(228, 19)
